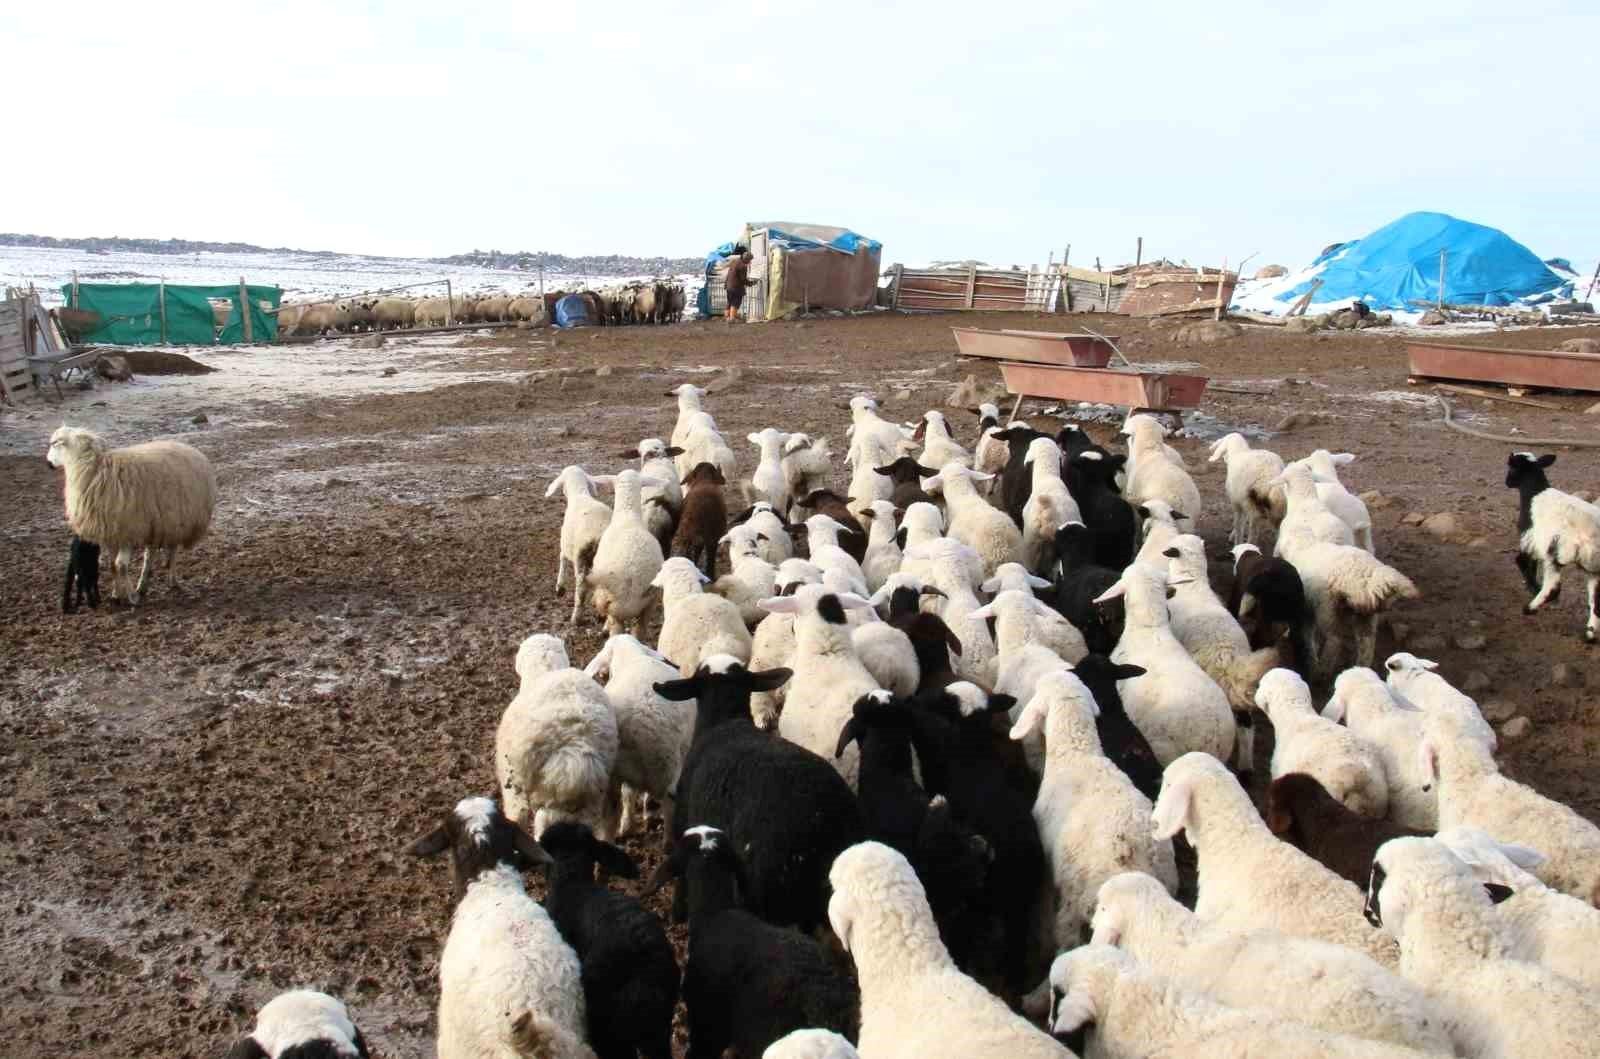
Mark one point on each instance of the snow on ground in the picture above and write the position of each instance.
(302, 276)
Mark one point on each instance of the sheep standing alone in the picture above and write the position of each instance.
(158, 495)
(557, 741)
(627, 558)
(1346, 765)
(1557, 530)
(915, 1003)
(582, 524)
(301, 1024)
(508, 983)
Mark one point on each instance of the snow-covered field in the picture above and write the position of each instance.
(302, 276)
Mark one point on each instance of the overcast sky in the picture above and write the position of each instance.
(947, 130)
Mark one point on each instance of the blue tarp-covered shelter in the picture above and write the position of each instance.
(1397, 267)
(797, 266)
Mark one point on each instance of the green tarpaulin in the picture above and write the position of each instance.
(130, 313)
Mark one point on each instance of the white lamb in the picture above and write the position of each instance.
(653, 734)
(807, 464)
(1324, 467)
(811, 1044)
(915, 1003)
(159, 495)
(1021, 660)
(1557, 530)
(1347, 589)
(1257, 503)
(938, 447)
(1547, 927)
(1327, 986)
(883, 550)
(1454, 945)
(705, 444)
(1393, 727)
(1139, 1011)
(751, 578)
(582, 525)
(887, 654)
(302, 1022)
(1175, 704)
(774, 543)
(628, 558)
(822, 542)
(1473, 793)
(874, 441)
(696, 624)
(990, 454)
(1061, 637)
(772, 645)
(767, 481)
(663, 501)
(945, 566)
(1049, 505)
(1247, 877)
(688, 396)
(557, 742)
(985, 529)
(1159, 526)
(866, 485)
(509, 985)
(1092, 821)
(1153, 475)
(922, 524)
(828, 675)
(1307, 518)
(1346, 765)
(1415, 680)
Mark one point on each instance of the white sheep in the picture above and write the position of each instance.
(627, 559)
(807, 464)
(922, 524)
(1416, 681)
(1250, 473)
(689, 406)
(1454, 945)
(1324, 467)
(1306, 517)
(915, 1003)
(556, 743)
(582, 525)
(1154, 475)
(985, 529)
(1021, 660)
(767, 481)
(938, 447)
(828, 674)
(1092, 821)
(1346, 765)
(822, 543)
(775, 545)
(883, 550)
(509, 984)
(751, 578)
(1327, 986)
(1347, 589)
(1213, 637)
(1159, 526)
(1049, 505)
(946, 566)
(1175, 704)
(772, 645)
(653, 734)
(887, 654)
(866, 484)
(873, 440)
(696, 624)
(1393, 727)
(662, 502)
(1548, 927)
(1061, 637)
(705, 444)
(1557, 530)
(1473, 793)
(302, 1022)
(990, 454)
(811, 1044)
(158, 495)
(1247, 877)
(1139, 1011)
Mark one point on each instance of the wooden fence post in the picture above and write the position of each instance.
(161, 302)
(1138, 253)
(74, 288)
(1441, 279)
(899, 280)
(972, 283)
(244, 311)
(449, 306)
(1221, 276)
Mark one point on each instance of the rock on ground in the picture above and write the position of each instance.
(1207, 332)
(1580, 345)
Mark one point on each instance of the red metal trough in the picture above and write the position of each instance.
(1547, 368)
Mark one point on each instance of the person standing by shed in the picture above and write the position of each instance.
(736, 280)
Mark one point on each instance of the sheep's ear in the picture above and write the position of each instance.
(983, 613)
(1001, 703)
(1428, 760)
(1546, 460)
(1279, 819)
(1127, 672)
(1427, 663)
(770, 679)
(1342, 458)
(741, 517)
(780, 605)
(900, 537)
(929, 590)
(247, 1048)
(885, 471)
(1178, 515)
(1036, 581)
(991, 586)
(1172, 809)
(754, 439)
(1334, 710)
(763, 537)
(614, 860)
(1116, 591)
(926, 470)
(1498, 891)
(1172, 553)
(851, 601)
(431, 844)
(551, 491)
(529, 847)
(1143, 511)
(678, 690)
(979, 476)
(597, 665)
(1029, 721)
(673, 451)
(1523, 857)
(1073, 1013)
(851, 732)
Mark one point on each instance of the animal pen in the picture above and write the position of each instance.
(148, 314)
(1155, 289)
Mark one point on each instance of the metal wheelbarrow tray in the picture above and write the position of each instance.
(1129, 388)
(1035, 347)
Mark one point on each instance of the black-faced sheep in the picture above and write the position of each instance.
(1092, 478)
(907, 474)
(302, 1024)
(1557, 530)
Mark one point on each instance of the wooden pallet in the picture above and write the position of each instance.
(16, 381)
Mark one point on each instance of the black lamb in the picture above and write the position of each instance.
(1080, 582)
(746, 982)
(786, 808)
(630, 977)
(1091, 477)
(83, 575)
(1120, 738)
(1272, 603)
(907, 475)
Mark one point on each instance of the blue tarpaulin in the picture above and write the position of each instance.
(1397, 266)
(572, 311)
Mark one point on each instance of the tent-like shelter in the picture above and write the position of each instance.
(797, 266)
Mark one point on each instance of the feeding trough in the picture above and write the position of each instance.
(1549, 369)
(1035, 347)
(1128, 387)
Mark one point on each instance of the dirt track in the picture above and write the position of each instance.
(208, 800)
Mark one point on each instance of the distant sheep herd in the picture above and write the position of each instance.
(659, 302)
(929, 759)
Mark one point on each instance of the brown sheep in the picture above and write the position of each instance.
(1302, 813)
(703, 518)
(826, 502)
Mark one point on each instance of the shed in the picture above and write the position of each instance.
(795, 267)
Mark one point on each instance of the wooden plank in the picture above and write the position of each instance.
(244, 311)
(1299, 307)
(1489, 395)
(972, 283)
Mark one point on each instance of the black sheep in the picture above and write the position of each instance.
(83, 574)
(1272, 603)
(786, 808)
(1080, 582)
(1302, 812)
(1016, 481)
(907, 475)
(630, 977)
(1092, 479)
(1120, 738)
(952, 737)
(746, 982)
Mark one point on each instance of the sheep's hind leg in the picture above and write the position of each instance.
(120, 589)
(144, 578)
(1366, 635)
(561, 572)
(577, 593)
(1549, 587)
(1592, 630)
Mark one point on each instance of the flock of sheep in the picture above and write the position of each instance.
(928, 760)
(657, 302)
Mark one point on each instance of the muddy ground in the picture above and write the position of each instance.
(207, 800)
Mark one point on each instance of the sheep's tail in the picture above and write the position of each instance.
(1244, 673)
(723, 644)
(1372, 589)
(537, 1037)
(572, 780)
(1352, 779)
